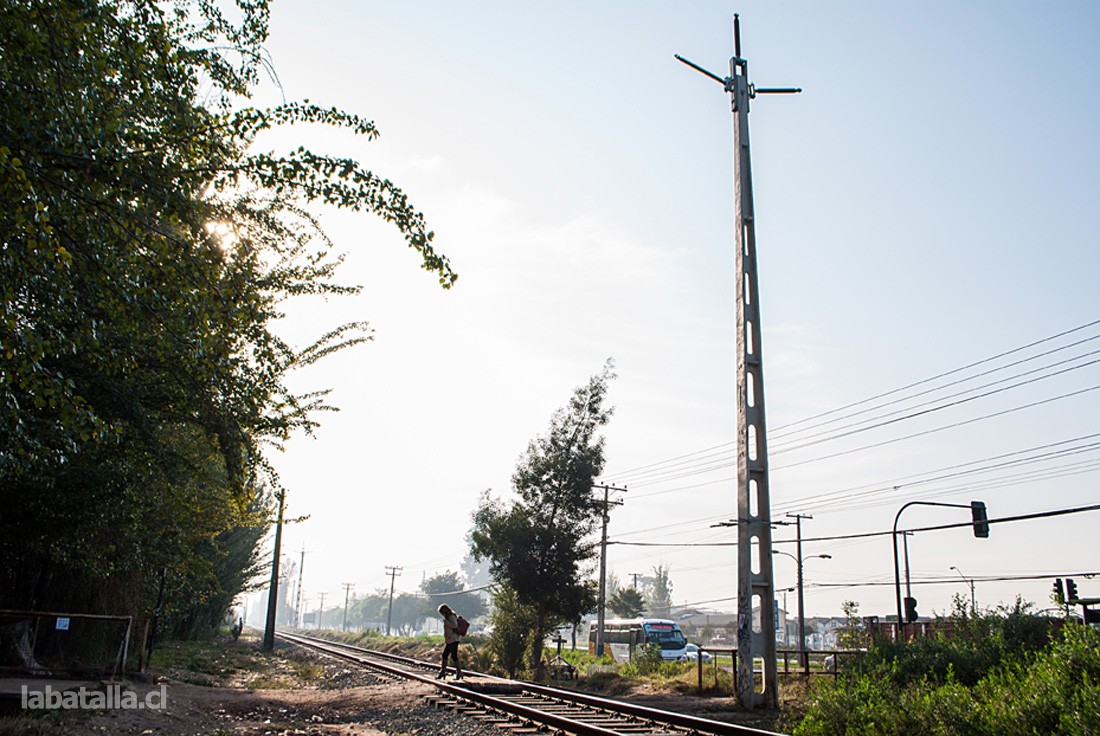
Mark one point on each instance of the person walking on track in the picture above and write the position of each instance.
(451, 638)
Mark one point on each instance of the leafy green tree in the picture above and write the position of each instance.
(613, 584)
(513, 623)
(659, 594)
(407, 615)
(852, 634)
(539, 545)
(146, 246)
(448, 587)
(626, 603)
(475, 571)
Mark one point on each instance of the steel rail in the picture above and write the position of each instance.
(462, 693)
(654, 716)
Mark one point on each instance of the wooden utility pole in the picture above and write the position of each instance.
(347, 593)
(393, 573)
(754, 541)
(601, 614)
(803, 657)
(298, 604)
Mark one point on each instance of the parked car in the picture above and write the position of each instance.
(692, 653)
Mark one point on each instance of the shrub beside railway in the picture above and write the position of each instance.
(1003, 672)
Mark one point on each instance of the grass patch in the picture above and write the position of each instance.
(30, 725)
(243, 663)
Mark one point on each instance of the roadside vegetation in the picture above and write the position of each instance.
(1001, 672)
(218, 662)
(1006, 672)
(148, 244)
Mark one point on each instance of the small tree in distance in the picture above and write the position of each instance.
(851, 635)
(659, 600)
(539, 546)
(447, 587)
(626, 603)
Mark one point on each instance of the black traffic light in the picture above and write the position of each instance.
(1071, 591)
(981, 521)
(911, 614)
(1059, 592)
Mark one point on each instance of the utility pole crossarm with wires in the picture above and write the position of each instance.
(753, 499)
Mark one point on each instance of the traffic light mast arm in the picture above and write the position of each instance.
(897, 566)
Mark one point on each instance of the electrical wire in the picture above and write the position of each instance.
(935, 430)
(944, 374)
(780, 432)
(866, 535)
(724, 455)
(984, 465)
(855, 427)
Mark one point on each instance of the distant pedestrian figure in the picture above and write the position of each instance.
(450, 639)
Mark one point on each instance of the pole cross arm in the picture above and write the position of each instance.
(724, 81)
(754, 91)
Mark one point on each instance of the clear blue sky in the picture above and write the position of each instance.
(928, 201)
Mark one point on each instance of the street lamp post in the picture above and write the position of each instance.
(802, 658)
(786, 611)
(970, 582)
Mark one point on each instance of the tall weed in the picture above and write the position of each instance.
(1000, 673)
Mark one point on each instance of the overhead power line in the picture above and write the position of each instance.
(844, 497)
(932, 406)
(723, 455)
(939, 581)
(865, 535)
(945, 374)
(1055, 450)
(935, 430)
(954, 580)
(779, 434)
(972, 487)
(626, 475)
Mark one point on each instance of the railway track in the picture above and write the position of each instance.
(526, 708)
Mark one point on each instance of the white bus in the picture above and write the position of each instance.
(622, 635)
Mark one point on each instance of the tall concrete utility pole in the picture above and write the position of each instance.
(393, 573)
(754, 541)
(273, 589)
(321, 610)
(601, 614)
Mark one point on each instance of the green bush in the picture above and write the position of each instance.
(1001, 673)
(1056, 692)
(647, 660)
(978, 642)
(513, 622)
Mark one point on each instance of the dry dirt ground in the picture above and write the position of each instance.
(294, 692)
